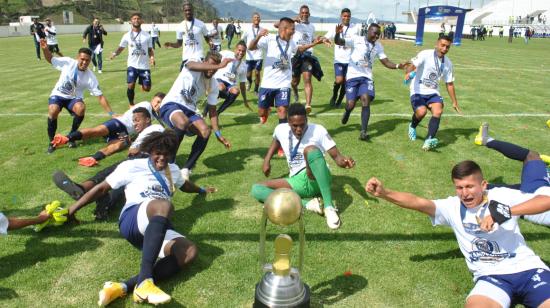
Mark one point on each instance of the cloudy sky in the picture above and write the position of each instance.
(359, 8)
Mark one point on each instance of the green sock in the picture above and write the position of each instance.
(260, 192)
(320, 171)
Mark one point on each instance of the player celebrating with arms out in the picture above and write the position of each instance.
(140, 57)
(430, 66)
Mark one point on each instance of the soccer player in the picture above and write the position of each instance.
(304, 145)
(341, 56)
(51, 37)
(188, 34)
(37, 33)
(94, 33)
(505, 269)
(140, 57)
(145, 219)
(230, 32)
(155, 35)
(430, 66)
(68, 91)
(13, 223)
(304, 64)
(254, 59)
(278, 50)
(216, 35)
(179, 108)
(117, 131)
(359, 78)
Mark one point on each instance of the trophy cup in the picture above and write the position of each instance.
(281, 285)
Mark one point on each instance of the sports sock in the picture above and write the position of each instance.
(152, 242)
(260, 192)
(256, 86)
(365, 116)
(249, 78)
(130, 93)
(163, 269)
(76, 123)
(199, 145)
(318, 166)
(99, 156)
(342, 93)
(52, 127)
(509, 150)
(223, 94)
(228, 101)
(433, 126)
(335, 88)
(285, 120)
(75, 135)
(414, 121)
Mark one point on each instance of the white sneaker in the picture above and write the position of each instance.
(315, 205)
(99, 72)
(185, 173)
(333, 220)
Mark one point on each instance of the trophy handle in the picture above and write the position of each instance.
(263, 231)
(302, 238)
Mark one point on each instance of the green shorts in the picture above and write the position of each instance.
(303, 185)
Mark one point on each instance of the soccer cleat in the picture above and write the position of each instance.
(50, 149)
(545, 158)
(430, 144)
(333, 220)
(345, 117)
(110, 292)
(363, 136)
(483, 134)
(280, 152)
(308, 109)
(63, 182)
(315, 205)
(148, 291)
(99, 72)
(87, 161)
(72, 144)
(548, 123)
(412, 132)
(186, 173)
(59, 139)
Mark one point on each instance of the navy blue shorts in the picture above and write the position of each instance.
(273, 97)
(356, 87)
(418, 100)
(530, 288)
(142, 76)
(167, 109)
(67, 103)
(115, 128)
(340, 69)
(128, 226)
(254, 65)
(226, 84)
(534, 176)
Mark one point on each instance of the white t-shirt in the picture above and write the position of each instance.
(138, 48)
(127, 117)
(189, 87)
(277, 66)
(215, 34)
(234, 72)
(342, 53)
(503, 251)
(248, 35)
(304, 34)
(315, 135)
(3, 224)
(140, 182)
(144, 133)
(362, 56)
(73, 82)
(154, 31)
(51, 37)
(192, 33)
(429, 69)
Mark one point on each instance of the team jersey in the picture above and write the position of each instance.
(501, 252)
(215, 34)
(138, 48)
(362, 56)
(51, 35)
(234, 72)
(304, 35)
(277, 63)
(189, 87)
(141, 184)
(191, 33)
(249, 34)
(144, 133)
(127, 117)
(73, 82)
(3, 224)
(343, 53)
(429, 69)
(154, 31)
(315, 135)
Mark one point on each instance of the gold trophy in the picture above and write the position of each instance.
(281, 285)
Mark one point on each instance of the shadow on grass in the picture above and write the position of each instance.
(450, 136)
(228, 162)
(375, 129)
(451, 254)
(326, 107)
(6, 293)
(37, 251)
(336, 289)
(342, 197)
(247, 119)
(184, 219)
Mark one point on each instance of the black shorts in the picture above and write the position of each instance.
(53, 48)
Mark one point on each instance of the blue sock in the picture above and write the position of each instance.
(99, 156)
(163, 269)
(365, 116)
(199, 145)
(76, 135)
(228, 102)
(52, 127)
(76, 123)
(130, 93)
(433, 126)
(509, 150)
(152, 242)
(414, 121)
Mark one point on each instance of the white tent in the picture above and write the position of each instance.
(499, 12)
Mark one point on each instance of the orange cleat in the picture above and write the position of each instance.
(87, 161)
(59, 139)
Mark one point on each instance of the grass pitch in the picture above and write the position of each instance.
(396, 258)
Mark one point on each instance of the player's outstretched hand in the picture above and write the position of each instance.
(210, 189)
(248, 106)
(225, 142)
(43, 216)
(339, 28)
(348, 162)
(266, 168)
(263, 32)
(152, 61)
(374, 187)
(456, 108)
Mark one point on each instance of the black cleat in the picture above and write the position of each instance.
(345, 117)
(63, 182)
(51, 148)
(363, 136)
(72, 144)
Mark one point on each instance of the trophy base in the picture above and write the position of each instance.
(305, 303)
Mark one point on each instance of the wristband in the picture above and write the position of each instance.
(110, 113)
(218, 133)
(202, 190)
(500, 212)
(397, 66)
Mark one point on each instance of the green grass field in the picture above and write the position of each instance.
(396, 257)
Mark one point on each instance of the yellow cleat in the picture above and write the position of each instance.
(483, 134)
(110, 292)
(148, 291)
(545, 158)
(548, 123)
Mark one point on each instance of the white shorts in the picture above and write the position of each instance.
(3, 224)
(143, 222)
(491, 291)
